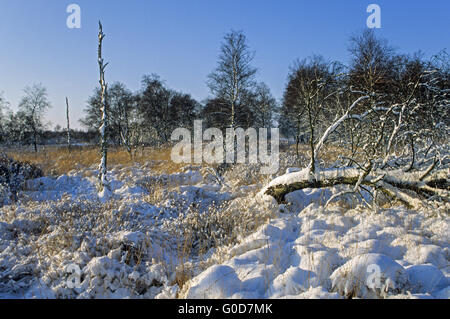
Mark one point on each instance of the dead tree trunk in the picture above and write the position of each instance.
(104, 187)
(68, 125)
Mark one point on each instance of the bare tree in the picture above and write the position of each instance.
(263, 105)
(234, 73)
(33, 106)
(309, 93)
(161, 110)
(373, 63)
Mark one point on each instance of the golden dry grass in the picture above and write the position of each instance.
(55, 160)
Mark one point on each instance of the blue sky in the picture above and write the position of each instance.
(180, 40)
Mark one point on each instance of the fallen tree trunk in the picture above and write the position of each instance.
(404, 188)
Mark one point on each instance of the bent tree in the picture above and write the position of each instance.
(391, 123)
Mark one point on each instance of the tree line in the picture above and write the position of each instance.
(149, 116)
(317, 92)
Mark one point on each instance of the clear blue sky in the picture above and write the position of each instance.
(180, 40)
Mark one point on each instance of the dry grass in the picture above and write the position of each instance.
(221, 227)
(54, 160)
(197, 233)
(57, 160)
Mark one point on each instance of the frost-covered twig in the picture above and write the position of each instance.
(218, 178)
(429, 170)
(337, 123)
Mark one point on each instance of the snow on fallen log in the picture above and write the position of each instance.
(405, 187)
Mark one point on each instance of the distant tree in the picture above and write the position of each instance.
(161, 110)
(183, 110)
(233, 76)
(373, 63)
(33, 106)
(121, 104)
(154, 109)
(215, 113)
(264, 106)
(147, 116)
(288, 121)
(308, 98)
(91, 120)
(16, 128)
(3, 106)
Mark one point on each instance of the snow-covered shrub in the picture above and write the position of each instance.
(370, 276)
(12, 176)
(248, 174)
(5, 195)
(108, 278)
(220, 225)
(217, 282)
(245, 174)
(426, 278)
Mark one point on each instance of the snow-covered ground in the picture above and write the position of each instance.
(333, 253)
(192, 235)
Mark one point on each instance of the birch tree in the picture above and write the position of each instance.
(234, 73)
(33, 106)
